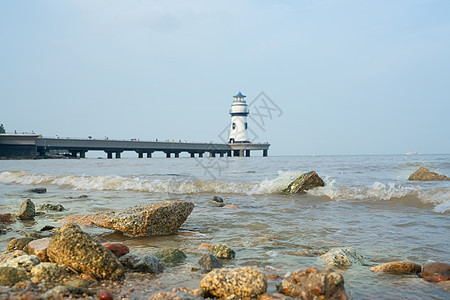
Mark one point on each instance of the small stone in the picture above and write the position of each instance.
(24, 262)
(9, 276)
(171, 256)
(117, 248)
(64, 291)
(78, 283)
(204, 246)
(314, 284)
(48, 206)
(242, 283)
(104, 295)
(46, 271)
(39, 248)
(39, 190)
(217, 199)
(47, 228)
(143, 263)
(10, 254)
(398, 268)
(20, 244)
(304, 182)
(424, 174)
(222, 251)
(26, 211)
(340, 258)
(209, 262)
(436, 272)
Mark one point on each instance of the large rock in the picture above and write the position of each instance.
(398, 268)
(142, 263)
(24, 262)
(209, 262)
(27, 210)
(314, 284)
(222, 251)
(241, 283)
(436, 272)
(424, 174)
(72, 247)
(7, 218)
(304, 182)
(46, 271)
(20, 244)
(340, 258)
(39, 248)
(10, 276)
(144, 220)
(171, 256)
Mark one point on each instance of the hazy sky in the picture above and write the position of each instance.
(343, 77)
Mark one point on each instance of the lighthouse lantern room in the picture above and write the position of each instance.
(239, 112)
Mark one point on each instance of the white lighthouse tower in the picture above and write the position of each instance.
(239, 112)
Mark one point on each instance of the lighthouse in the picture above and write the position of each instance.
(239, 112)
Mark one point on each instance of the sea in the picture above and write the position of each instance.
(367, 205)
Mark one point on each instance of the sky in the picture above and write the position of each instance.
(322, 77)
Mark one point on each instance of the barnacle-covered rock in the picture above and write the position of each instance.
(222, 251)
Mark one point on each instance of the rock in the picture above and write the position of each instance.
(59, 292)
(47, 228)
(47, 271)
(8, 255)
(79, 283)
(398, 268)
(24, 262)
(3, 229)
(343, 258)
(424, 174)
(175, 295)
(10, 276)
(209, 262)
(242, 283)
(7, 218)
(217, 199)
(307, 252)
(142, 263)
(39, 190)
(39, 248)
(26, 210)
(204, 246)
(170, 256)
(304, 182)
(217, 204)
(222, 251)
(145, 220)
(20, 244)
(57, 207)
(314, 284)
(118, 249)
(77, 250)
(436, 272)
(104, 295)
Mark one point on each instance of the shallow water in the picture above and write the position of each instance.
(367, 205)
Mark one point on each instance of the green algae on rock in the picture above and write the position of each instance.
(304, 182)
(222, 251)
(77, 250)
(10, 276)
(171, 256)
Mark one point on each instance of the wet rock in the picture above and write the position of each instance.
(10, 276)
(20, 244)
(47, 271)
(142, 263)
(217, 199)
(77, 250)
(242, 283)
(175, 295)
(424, 174)
(24, 262)
(7, 218)
(56, 207)
(436, 272)
(209, 262)
(79, 283)
(3, 229)
(343, 258)
(145, 220)
(8, 255)
(304, 182)
(314, 284)
(398, 268)
(204, 246)
(39, 248)
(222, 251)
(47, 228)
(171, 256)
(26, 210)
(60, 291)
(104, 295)
(307, 253)
(216, 204)
(39, 190)
(118, 249)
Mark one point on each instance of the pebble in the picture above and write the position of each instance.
(104, 295)
(436, 272)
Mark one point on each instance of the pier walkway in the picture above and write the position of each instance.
(79, 147)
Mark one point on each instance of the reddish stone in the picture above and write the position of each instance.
(398, 268)
(204, 246)
(118, 249)
(7, 218)
(104, 295)
(39, 248)
(436, 272)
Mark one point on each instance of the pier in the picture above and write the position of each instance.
(35, 146)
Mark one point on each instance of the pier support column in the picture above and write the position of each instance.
(149, 154)
(140, 154)
(241, 153)
(109, 154)
(265, 153)
(212, 154)
(192, 154)
(229, 153)
(177, 154)
(235, 152)
(222, 154)
(167, 154)
(200, 154)
(118, 154)
(247, 153)
(73, 153)
(83, 154)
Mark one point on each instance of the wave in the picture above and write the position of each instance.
(439, 196)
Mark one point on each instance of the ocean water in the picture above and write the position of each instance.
(367, 205)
